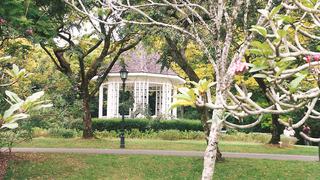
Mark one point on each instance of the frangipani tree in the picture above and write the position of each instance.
(215, 26)
(19, 108)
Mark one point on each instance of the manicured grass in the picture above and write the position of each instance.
(185, 145)
(134, 167)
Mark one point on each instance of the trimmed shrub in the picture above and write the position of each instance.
(165, 134)
(39, 132)
(105, 134)
(62, 132)
(146, 124)
(288, 141)
(250, 137)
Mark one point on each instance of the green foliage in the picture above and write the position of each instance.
(39, 132)
(259, 29)
(151, 134)
(62, 132)
(19, 108)
(246, 137)
(145, 124)
(295, 83)
(188, 96)
(9, 138)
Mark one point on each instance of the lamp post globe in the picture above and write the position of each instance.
(123, 75)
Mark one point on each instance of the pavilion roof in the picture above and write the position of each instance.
(139, 60)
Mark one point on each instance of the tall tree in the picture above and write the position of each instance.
(84, 49)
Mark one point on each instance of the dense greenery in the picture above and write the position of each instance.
(147, 124)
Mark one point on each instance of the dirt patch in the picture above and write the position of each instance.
(5, 157)
(34, 157)
(4, 160)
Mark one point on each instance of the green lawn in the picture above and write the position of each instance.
(134, 167)
(186, 145)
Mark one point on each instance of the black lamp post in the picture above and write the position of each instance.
(124, 75)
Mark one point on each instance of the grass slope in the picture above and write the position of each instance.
(134, 167)
(185, 145)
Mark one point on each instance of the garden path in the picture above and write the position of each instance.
(165, 153)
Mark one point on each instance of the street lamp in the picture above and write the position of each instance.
(123, 75)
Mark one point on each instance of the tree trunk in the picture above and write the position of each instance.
(276, 127)
(210, 154)
(206, 128)
(276, 130)
(87, 122)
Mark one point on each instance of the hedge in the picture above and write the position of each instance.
(146, 124)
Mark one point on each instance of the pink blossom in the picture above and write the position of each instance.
(308, 59)
(316, 57)
(2, 21)
(239, 67)
(29, 32)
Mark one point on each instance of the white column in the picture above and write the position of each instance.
(157, 95)
(164, 99)
(110, 101)
(143, 87)
(139, 93)
(174, 111)
(101, 101)
(135, 96)
(117, 99)
(147, 94)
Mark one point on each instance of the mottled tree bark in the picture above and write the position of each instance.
(210, 155)
(275, 130)
(87, 122)
(179, 58)
(276, 126)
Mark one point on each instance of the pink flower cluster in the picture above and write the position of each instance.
(310, 58)
(2, 21)
(239, 67)
(29, 32)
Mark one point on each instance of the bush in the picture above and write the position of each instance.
(145, 125)
(250, 137)
(231, 131)
(288, 141)
(105, 134)
(62, 132)
(9, 138)
(39, 132)
(150, 134)
(171, 135)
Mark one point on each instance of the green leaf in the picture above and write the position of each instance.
(13, 97)
(181, 103)
(15, 69)
(11, 110)
(35, 96)
(10, 125)
(255, 51)
(295, 83)
(282, 33)
(257, 68)
(288, 59)
(259, 29)
(275, 11)
(260, 76)
(42, 106)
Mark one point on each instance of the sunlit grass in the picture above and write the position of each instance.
(186, 145)
(76, 166)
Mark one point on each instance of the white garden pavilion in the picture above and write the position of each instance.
(151, 89)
